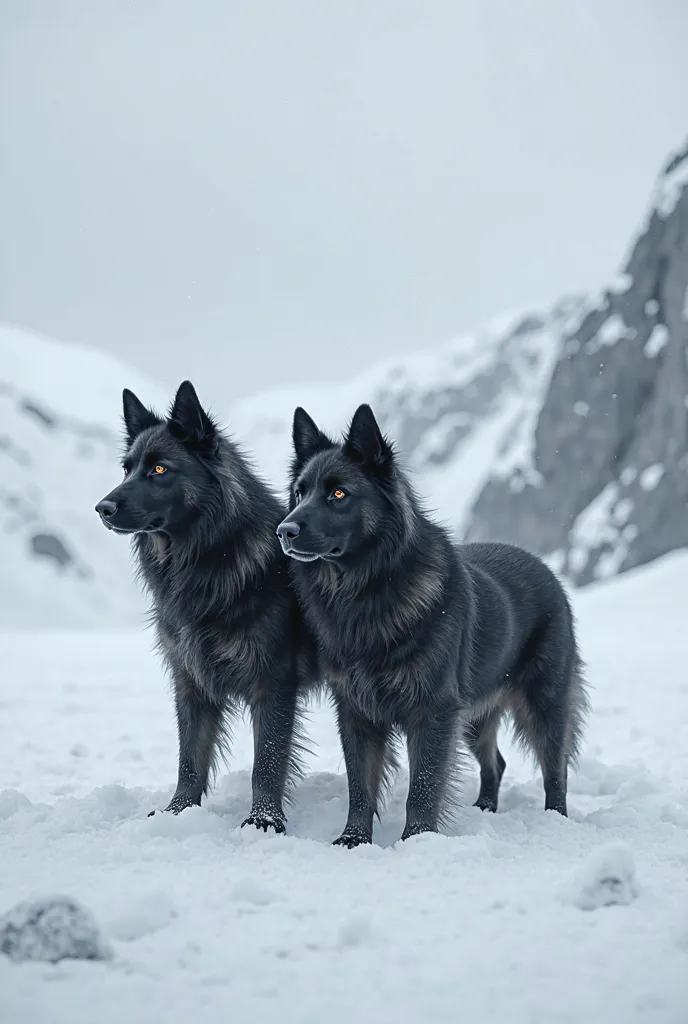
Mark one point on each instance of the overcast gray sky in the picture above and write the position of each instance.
(250, 192)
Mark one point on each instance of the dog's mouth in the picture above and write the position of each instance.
(309, 556)
(301, 556)
(154, 527)
(111, 526)
(128, 531)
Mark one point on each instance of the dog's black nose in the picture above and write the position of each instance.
(106, 508)
(288, 531)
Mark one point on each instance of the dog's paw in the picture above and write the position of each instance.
(352, 837)
(416, 829)
(265, 822)
(176, 805)
(486, 804)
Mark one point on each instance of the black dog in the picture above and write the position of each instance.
(421, 636)
(226, 617)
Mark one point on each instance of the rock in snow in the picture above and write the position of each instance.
(51, 929)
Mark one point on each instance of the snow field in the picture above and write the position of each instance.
(523, 915)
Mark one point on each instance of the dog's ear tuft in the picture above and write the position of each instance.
(190, 423)
(307, 437)
(365, 442)
(137, 417)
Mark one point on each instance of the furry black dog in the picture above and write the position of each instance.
(421, 636)
(227, 620)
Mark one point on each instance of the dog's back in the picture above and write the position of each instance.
(525, 662)
(515, 597)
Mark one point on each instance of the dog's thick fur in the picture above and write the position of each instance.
(226, 617)
(421, 636)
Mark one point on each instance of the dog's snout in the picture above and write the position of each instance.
(106, 508)
(288, 531)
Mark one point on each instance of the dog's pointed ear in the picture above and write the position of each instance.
(307, 437)
(189, 422)
(365, 442)
(137, 417)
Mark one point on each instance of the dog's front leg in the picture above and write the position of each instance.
(199, 726)
(366, 748)
(431, 741)
(273, 715)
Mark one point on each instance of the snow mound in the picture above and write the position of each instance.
(607, 877)
(60, 411)
(145, 915)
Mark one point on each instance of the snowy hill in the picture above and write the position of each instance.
(450, 409)
(59, 422)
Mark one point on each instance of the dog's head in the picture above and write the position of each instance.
(344, 497)
(168, 467)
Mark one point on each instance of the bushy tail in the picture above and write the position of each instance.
(579, 710)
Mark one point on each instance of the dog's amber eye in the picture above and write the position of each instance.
(159, 470)
(339, 493)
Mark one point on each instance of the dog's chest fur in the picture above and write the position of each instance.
(389, 652)
(224, 665)
(225, 641)
(389, 691)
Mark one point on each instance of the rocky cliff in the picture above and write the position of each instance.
(598, 479)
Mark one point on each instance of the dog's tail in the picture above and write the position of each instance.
(579, 709)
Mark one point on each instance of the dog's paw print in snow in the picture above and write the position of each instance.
(354, 931)
(607, 877)
(51, 929)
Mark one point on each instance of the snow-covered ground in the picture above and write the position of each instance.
(486, 924)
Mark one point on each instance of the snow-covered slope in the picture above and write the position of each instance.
(519, 917)
(450, 409)
(59, 424)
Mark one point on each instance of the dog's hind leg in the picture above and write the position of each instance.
(274, 719)
(431, 741)
(549, 709)
(200, 726)
(481, 737)
(367, 756)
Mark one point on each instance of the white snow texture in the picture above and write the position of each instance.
(523, 916)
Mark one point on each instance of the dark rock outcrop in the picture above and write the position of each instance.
(600, 483)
